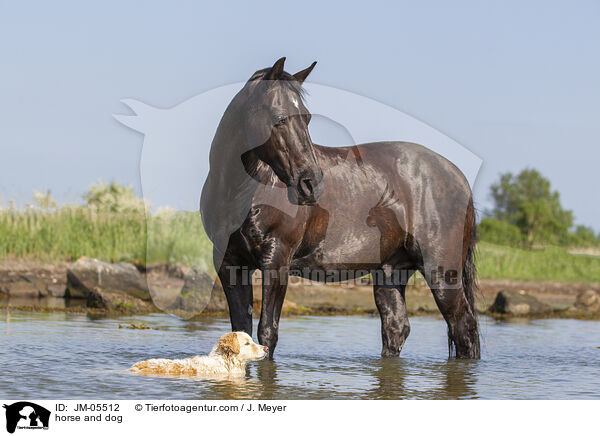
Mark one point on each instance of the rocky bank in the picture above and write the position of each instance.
(95, 286)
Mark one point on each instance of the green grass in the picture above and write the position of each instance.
(547, 264)
(178, 237)
(71, 232)
(67, 233)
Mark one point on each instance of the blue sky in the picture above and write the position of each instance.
(517, 83)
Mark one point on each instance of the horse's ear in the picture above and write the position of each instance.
(301, 76)
(276, 70)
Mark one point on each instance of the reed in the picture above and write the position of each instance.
(68, 233)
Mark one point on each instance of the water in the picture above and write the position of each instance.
(64, 355)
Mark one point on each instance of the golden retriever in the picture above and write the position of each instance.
(228, 357)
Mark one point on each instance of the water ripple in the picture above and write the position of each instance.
(62, 355)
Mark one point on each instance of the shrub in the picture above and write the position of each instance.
(499, 232)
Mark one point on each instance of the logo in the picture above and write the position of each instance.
(26, 415)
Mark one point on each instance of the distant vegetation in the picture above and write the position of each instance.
(543, 264)
(525, 237)
(112, 225)
(528, 213)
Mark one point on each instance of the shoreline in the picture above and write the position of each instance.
(303, 297)
(104, 313)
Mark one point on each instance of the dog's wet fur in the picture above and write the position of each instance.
(228, 357)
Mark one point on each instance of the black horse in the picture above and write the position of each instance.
(276, 202)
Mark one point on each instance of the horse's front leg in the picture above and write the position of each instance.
(391, 304)
(237, 285)
(274, 284)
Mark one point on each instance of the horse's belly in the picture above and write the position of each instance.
(343, 245)
(343, 248)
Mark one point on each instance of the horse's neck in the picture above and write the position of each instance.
(229, 175)
(229, 189)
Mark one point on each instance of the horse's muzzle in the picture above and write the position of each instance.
(307, 189)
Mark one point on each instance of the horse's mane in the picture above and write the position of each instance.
(286, 79)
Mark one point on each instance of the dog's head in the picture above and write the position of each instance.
(241, 345)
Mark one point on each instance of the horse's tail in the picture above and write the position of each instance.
(469, 273)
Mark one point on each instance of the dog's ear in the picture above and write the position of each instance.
(229, 344)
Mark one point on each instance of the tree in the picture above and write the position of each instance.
(528, 202)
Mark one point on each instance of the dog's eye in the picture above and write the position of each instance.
(247, 343)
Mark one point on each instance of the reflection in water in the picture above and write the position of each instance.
(458, 379)
(390, 374)
(266, 373)
(8, 322)
(260, 383)
(45, 302)
(452, 379)
(58, 355)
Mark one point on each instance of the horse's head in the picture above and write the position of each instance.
(276, 123)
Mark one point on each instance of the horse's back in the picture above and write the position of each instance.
(413, 159)
(399, 165)
(382, 195)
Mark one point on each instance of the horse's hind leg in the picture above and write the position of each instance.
(390, 301)
(463, 332)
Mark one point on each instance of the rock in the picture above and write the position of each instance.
(200, 293)
(24, 285)
(168, 269)
(199, 287)
(588, 300)
(88, 273)
(57, 291)
(518, 304)
(218, 301)
(111, 299)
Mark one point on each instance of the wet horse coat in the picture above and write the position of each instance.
(276, 202)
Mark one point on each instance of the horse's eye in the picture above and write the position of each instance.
(280, 121)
